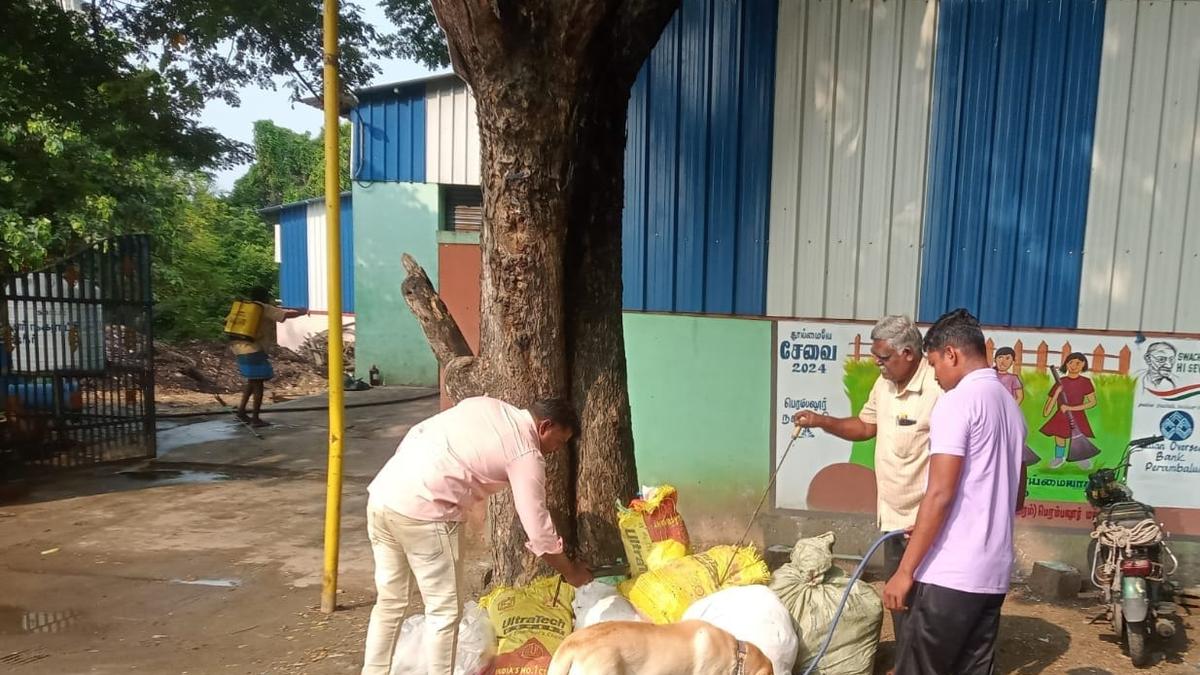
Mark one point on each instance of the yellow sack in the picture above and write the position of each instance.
(649, 521)
(529, 625)
(664, 553)
(635, 538)
(664, 594)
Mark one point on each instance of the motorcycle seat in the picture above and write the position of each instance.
(1125, 513)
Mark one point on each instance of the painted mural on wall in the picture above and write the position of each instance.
(1076, 391)
(1084, 396)
(814, 364)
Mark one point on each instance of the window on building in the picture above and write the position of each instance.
(463, 208)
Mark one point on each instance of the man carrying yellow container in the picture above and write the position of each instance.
(246, 327)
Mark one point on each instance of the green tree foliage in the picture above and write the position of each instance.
(84, 136)
(218, 251)
(211, 48)
(417, 35)
(94, 104)
(288, 167)
(99, 131)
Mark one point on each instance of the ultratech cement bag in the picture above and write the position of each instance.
(811, 588)
(649, 520)
(529, 625)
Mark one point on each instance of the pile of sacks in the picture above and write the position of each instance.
(515, 631)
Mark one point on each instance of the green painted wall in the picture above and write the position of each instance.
(391, 219)
(700, 393)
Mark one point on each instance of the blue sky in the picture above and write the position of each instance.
(277, 106)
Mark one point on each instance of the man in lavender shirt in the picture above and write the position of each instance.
(419, 499)
(955, 571)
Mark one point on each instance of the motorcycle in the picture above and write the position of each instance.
(1131, 562)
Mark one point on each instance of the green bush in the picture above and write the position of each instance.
(214, 253)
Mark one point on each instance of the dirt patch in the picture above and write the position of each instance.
(189, 374)
(1037, 636)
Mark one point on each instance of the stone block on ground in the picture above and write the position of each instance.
(1189, 597)
(1054, 580)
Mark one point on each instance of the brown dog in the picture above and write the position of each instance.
(631, 648)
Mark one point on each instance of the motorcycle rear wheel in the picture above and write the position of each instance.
(1135, 640)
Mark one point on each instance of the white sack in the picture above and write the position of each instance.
(752, 614)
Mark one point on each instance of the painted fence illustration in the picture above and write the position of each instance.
(1038, 359)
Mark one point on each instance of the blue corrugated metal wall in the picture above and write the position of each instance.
(293, 268)
(390, 136)
(698, 162)
(347, 237)
(1010, 159)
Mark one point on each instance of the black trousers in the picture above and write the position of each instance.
(893, 553)
(949, 632)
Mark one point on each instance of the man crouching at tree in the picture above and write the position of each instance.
(419, 499)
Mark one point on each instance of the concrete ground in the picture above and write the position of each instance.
(208, 560)
(213, 567)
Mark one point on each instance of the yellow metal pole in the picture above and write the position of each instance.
(333, 248)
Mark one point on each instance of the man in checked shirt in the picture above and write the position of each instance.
(897, 416)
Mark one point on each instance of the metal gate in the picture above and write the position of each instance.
(76, 360)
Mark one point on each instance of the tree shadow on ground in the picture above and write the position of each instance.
(1026, 646)
(1029, 645)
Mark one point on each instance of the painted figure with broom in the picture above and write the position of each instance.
(1069, 399)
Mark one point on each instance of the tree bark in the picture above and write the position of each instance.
(605, 470)
(551, 80)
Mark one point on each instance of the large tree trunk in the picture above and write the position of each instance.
(605, 469)
(551, 80)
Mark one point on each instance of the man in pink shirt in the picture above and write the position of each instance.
(955, 571)
(419, 499)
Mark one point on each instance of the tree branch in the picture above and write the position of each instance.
(462, 372)
(442, 331)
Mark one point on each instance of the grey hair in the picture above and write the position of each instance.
(899, 332)
(1160, 346)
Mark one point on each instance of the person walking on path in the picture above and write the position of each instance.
(252, 360)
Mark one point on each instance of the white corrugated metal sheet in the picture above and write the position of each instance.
(852, 106)
(451, 134)
(1141, 260)
(318, 294)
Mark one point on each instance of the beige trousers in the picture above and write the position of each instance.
(409, 552)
